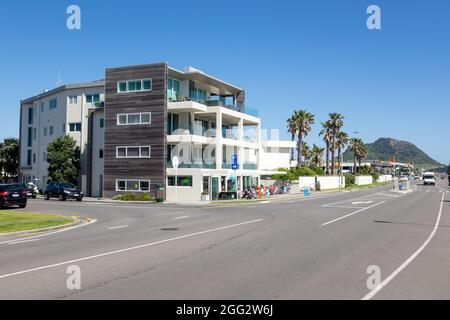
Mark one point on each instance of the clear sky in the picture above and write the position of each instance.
(288, 55)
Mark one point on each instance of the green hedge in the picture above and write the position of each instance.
(134, 197)
(350, 180)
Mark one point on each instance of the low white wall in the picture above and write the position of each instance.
(326, 183)
(306, 182)
(385, 178)
(363, 180)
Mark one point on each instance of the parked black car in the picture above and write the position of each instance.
(63, 191)
(13, 195)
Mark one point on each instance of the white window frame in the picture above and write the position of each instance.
(133, 180)
(127, 115)
(73, 100)
(75, 123)
(140, 152)
(135, 91)
(52, 106)
(93, 94)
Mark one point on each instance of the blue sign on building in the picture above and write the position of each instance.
(234, 162)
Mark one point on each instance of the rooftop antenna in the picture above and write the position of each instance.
(59, 81)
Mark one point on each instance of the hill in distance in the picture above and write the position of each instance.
(385, 148)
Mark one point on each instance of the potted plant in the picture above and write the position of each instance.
(205, 196)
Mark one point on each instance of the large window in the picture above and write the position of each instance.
(75, 127)
(133, 185)
(173, 90)
(134, 119)
(134, 86)
(182, 181)
(30, 137)
(133, 152)
(30, 116)
(53, 104)
(199, 95)
(92, 98)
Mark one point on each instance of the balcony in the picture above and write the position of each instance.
(193, 165)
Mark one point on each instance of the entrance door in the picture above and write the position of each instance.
(215, 188)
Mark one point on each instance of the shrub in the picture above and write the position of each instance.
(375, 176)
(365, 170)
(303, 172)
(134, 197)
(350, 179)
(318, 171)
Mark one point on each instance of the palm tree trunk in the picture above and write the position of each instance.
(299, 149)
(327, 170)
(354, 165)
(292, 150)
(339, 160)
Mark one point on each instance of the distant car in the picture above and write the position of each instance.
(63, 191)
(417, 178)
(429, 178)
(32, 191)
(13, 195)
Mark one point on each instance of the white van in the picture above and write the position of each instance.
(429, 178)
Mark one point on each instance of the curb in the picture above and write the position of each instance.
(26, 232)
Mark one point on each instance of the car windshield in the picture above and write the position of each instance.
(67, 186)
(11, 187)
(428, 177)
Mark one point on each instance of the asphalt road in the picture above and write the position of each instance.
(313, 248)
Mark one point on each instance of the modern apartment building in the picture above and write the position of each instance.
(131, 125)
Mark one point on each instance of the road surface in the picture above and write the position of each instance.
(311, 248)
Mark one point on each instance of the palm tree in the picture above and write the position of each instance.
(326, 133)
(316, 156)
(306, 152)
(336, 122)
(341, 142)
(359, 150)
(304, 120)
(292, 129)
(363, 153)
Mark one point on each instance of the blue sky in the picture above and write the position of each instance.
(288, 55)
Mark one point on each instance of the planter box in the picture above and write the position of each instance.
(205, 198)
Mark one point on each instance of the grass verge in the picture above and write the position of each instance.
(14, 221)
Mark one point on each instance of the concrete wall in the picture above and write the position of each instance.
(275, 159)
(326, 183)
(363, 180)
(385, 178)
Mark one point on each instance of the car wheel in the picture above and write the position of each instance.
(62, 198)
(46, 196)
(22, 206)
(79, 200)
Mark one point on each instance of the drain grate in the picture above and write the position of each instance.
(169, 229)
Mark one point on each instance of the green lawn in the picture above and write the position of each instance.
(12, 221)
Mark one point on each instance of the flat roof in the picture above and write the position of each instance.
(98, 83)
(195, 74)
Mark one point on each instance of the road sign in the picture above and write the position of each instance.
(234, 162)
(175, 162)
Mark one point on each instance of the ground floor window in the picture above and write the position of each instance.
(133, 185)
(182, 181)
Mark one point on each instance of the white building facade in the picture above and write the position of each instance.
(197, 118)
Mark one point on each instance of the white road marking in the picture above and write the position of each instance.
(372, 293)
(388, 195)
(361, 202)
(351, 214)
(344, 207)
(118, 227)
(181, 218)
(24, 241)
(50, 233)
(128, 249)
